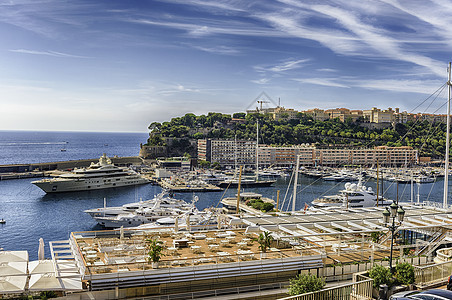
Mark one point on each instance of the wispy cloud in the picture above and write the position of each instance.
(400, 85)
(321, 81)
(195, 28)
(48, 53)
(288, 65)
(222, 50)
(356, 35)
(283, 66)
(261, 81)
(391, 85)
(326, 70)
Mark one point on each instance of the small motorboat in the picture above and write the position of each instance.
(2, 221)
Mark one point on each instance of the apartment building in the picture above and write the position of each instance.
(277, 113)
(227, 152)
(317, 114)
(244, 152)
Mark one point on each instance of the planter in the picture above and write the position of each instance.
(263, 255)
(155, 264)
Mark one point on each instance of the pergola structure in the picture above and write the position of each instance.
(334, 231)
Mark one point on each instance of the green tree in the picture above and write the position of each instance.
(265, 240)
(239, 115)
(155, 249)
(404, 273)
(204, 164)
(375, 236)
(47, 295)
(305, 283)
(380, 275)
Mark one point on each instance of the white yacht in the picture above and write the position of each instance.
(357, 195)
(143, 212)
(101, 175)
(163, 199)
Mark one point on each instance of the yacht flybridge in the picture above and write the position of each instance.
(101, 175)
(353, 196)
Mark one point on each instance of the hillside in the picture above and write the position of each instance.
(428, 138)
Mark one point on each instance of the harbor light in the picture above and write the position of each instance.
(386, 215)
(395, 211)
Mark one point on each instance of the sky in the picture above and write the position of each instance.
(118, 65)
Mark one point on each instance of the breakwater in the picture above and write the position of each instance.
(17, 171)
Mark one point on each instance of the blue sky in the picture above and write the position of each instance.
(120, 65)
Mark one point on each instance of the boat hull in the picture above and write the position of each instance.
(233, 184)
(61, 186)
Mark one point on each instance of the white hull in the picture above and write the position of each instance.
(69, 185)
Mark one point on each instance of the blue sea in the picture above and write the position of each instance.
(31, 214)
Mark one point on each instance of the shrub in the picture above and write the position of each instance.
(380, 275)
(404, 273)
(305, 283)
(266, 207)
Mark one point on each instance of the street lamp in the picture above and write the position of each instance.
(394, 211)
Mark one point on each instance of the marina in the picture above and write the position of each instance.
(312, 239)
(299, 242)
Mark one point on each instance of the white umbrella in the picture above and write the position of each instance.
(13, 268)
(41, 249)
(121, 233)
(9, 256)
(219, 222)
(187, 222)
(176, 224)
(40, 267)
(48, 282)
(12, 284)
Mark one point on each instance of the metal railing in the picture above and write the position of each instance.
(433, 273)
(361, 290)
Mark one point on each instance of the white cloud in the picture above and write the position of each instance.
(261, 81)
(48, 53)
(321, 81)
(221, 50)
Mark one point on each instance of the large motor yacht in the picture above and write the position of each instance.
(145, 212)
(354, 195)
(163, 198)
(101, 175)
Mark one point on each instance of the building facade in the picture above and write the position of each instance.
(229, 153)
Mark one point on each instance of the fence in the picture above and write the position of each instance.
(433, 273)
(353, 291)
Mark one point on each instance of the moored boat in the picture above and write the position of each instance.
(101, 175)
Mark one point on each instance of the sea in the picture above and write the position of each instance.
(31, 214)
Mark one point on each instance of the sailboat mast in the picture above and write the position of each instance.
(296, 183)
(235, 155)
(446, 160)
(257, 150)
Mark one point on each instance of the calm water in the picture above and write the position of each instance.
(31, 214)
